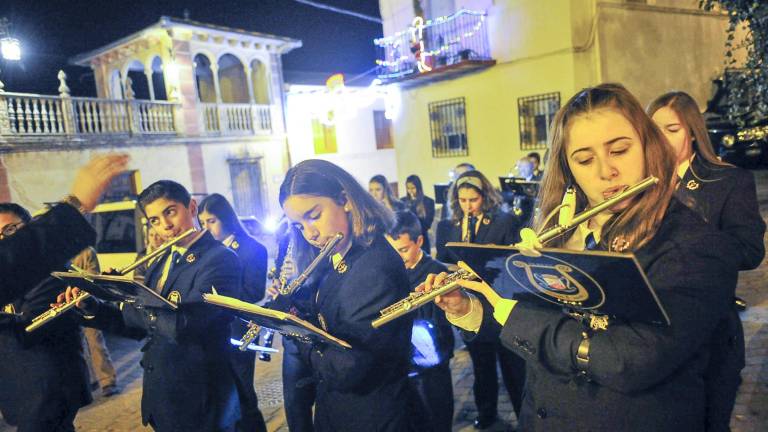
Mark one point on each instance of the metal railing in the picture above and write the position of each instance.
(24, 114)
(433, 44)
(232, 119)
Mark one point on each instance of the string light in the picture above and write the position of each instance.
(429, 23)
(414, 34)
(331, 105)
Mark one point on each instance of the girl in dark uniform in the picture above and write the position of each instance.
(476, 217)
(630, 376)
(365, 387)
(420, 205)
(378, 187)
(219, 218)
(725, 197)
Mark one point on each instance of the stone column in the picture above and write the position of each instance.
(249, 78)
(67, 106)
(148, 73)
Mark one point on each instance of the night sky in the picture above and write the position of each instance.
(53, 31)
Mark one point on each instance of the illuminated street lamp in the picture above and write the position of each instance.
(10, 48)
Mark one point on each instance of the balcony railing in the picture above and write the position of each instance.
(433, 46)
(234, 119)
(23, 114)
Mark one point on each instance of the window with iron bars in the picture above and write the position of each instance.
(448, 128)
(535, 115)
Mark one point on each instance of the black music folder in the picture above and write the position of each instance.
(115, 288)
(596, 282)
(281, 322)
(519, 186)
(441, 193)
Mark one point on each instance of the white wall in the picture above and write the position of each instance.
(271, 152)
(355, 133)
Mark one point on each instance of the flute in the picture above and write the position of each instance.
(55, 311)
(418, 299)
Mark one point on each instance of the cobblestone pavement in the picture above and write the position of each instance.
(122, 412)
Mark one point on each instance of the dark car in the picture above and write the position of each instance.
(741, 141)
(745, 146)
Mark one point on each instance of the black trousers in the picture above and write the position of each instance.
(484, 357)
(243, 364)
(431, 401)
(723, 375)
(299, 390)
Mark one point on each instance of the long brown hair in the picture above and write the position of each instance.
(491, 197)
(417, 202)
(368, 217)
(688, 111)
(637, 223)
(390, 201)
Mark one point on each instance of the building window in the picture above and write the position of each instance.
(383, 127)
(448, 128)
(246, 179)
(536, 113)
(323, 137)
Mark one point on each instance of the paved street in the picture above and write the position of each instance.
(122, 412)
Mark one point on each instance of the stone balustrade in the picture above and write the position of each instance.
(236, 119)
(23, 114)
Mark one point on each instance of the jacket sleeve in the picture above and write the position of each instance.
(41, 246)
(193, 317)
(108, 317)
(373, 350)
(693, 283)
(254, 273)
(741, 219)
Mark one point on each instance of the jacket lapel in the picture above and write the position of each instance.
(485, 227)
(186, 262)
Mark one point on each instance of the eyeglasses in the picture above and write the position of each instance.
(10, 229)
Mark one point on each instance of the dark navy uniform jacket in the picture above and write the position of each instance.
(363, 388)
(725, 196)
(253, 258)
(188, 381)
(253, 261)
(43, 374)
(643, 377)
(497, 227)
(41, 246)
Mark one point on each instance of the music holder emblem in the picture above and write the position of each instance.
(556, 281)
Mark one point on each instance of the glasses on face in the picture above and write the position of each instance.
(10, 229)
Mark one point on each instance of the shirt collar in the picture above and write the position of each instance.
(182, 250)
(585, 230)
(421, 257)
(338, 257)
